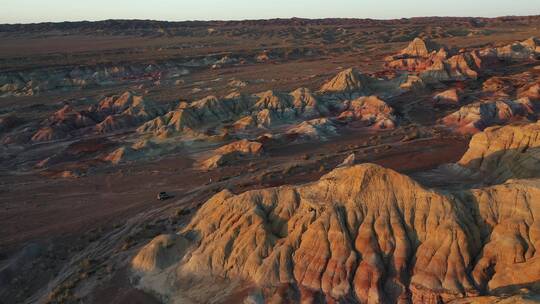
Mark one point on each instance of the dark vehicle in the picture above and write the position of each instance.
(163, 196)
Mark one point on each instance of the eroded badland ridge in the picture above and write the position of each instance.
(296, 161)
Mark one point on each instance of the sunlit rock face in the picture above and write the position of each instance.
(502, 153)
(366, 234)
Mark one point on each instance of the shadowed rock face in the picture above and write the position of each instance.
(365, 234)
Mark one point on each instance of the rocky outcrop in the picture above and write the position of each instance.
(61, 123)
(28, 82)
(315, 129)
(232, 152)
(263, 110)
(140, 150)
(365, 234)
(299, 110)
(502, 153)
(528, 49)
(110, 114)
(244, 123)
(124, 111)
(456, 68)
(450, 96)
(531, 91)
(349, 80)
(68, 118)
(212, 109)
(435, 64)
(127, 104)
(115, 122)
(476, 117)
(462, 67)
(438, 71)
(120, 155)
(498, 86)
(307, 105)
(174, 121)
(242, 146)
(349, 161)
(160, 253)
(417, 56)
(370, 110)
(411, 83)
(46, 134)
(420, 48)
(273, 108)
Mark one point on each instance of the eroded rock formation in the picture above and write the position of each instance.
(435, 63)
(365, 234)
(480, 115)
(371, 110)
(502, 153)
(315, 129)
(450, 96)
(300, 109)
(349, 80)
(231, 152)
(110, 114)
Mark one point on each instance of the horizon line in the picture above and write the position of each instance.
(265, 19)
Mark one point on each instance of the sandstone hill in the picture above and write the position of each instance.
(502, 153)
(348, 80)
(362, 234)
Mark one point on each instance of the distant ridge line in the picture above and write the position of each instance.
(145, 24)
